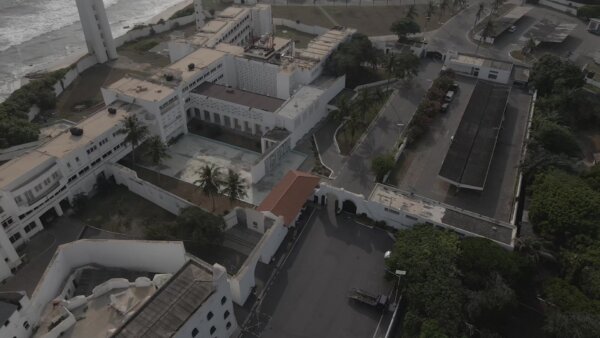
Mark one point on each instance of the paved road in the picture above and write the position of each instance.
(309, 295)
(453, 36)
(355, 174)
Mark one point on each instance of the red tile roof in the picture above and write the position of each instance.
(289, 195)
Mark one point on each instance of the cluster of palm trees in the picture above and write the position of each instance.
(356, 113)
(211, 182)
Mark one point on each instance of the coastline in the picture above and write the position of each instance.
(67, 61)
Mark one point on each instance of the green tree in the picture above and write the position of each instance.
(209, 181)
(202, 228)
(404, 27)
(486, 32)
(572, 325)
(429, 10)
(157, 151)
(234, 186)
(343, 109)
(381, 165)
(556, 138)
(407, 65)
(564, 206)
(433, 289)
(551, 74)
(135, 132)
(489, 307)
(390, 67)
(480, 10)
(363, 103)
(411, 12)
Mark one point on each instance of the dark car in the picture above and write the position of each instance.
(445, 107)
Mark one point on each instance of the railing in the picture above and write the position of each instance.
(34, 200)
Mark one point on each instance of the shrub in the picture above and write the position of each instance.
(589, 11)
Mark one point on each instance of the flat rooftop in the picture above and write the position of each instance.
(322, 46)
(302, 100)
(15, 168)
(201, 59)
(470, 154)
(141, 89)
(171, 306)
(438, 212)
(473, 60)
(93, 127)
(238, 96)
(547, 30)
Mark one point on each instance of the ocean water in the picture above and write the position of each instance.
(38, 34)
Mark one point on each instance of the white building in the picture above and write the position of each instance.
(479, 67)
(37, 186)
(267, 90)
(96, 29)
(162, 293)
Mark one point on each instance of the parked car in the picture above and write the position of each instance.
(445, 107)
(512, 29)
(449, 96)
(454, 87)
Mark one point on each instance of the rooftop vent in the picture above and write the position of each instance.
(191, 67)
(112, 111)
(76, 131)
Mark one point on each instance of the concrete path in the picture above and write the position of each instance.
(327, 148)
(356, 175)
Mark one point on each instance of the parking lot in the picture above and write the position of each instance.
(308, 298)
(417, 171)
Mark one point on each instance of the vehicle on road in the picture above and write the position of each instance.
(445, 107)
(449, 96)
(454, 87)
(512, 29)
(368, 298)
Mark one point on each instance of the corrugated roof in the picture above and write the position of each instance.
(289, 195)
(171, 306)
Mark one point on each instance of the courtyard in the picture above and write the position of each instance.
(191, 152)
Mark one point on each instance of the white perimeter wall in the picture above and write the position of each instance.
(243, 281)
(150, 256)
(147, 190)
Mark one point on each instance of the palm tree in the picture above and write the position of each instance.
(486, 32)
(234, 186)
(478, 14)
(209, 182)
(364, 101)
(443, 6)
(429, 11)
(157, 150)
(390, 67)
(343, 109)
(411, 12)
(135, 132)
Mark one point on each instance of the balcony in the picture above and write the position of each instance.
(29, 202)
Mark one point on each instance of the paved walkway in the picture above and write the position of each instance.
(329, 152)
(355, 174)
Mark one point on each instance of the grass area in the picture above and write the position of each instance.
(144, 45)
(187, 10)
(308, 15)
(301, 39)
(375, 20)
(217, 5)
(120, 210)
(346, 137)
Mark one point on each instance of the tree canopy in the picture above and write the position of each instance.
(404, 27)
(551, 74)
(381, 165)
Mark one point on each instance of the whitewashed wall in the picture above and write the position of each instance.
(158, 28)
(314, 30)
(147, 190)
(150, 256)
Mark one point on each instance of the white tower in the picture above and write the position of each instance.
(199, 12)
(97, 30)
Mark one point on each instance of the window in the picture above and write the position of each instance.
(29, 227)
(26, 325)
(493, 75)
(38, 187)
(212, 330)
(411, 217)
(56, 175)
(228, 326)
(7, 222)
(18, 199)
(226, 314)
(223, 300)
(209, 315)
(195, 332)
(77, 159)
(15, 237)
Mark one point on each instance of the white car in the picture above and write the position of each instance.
(387, 254)
(512, 29)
